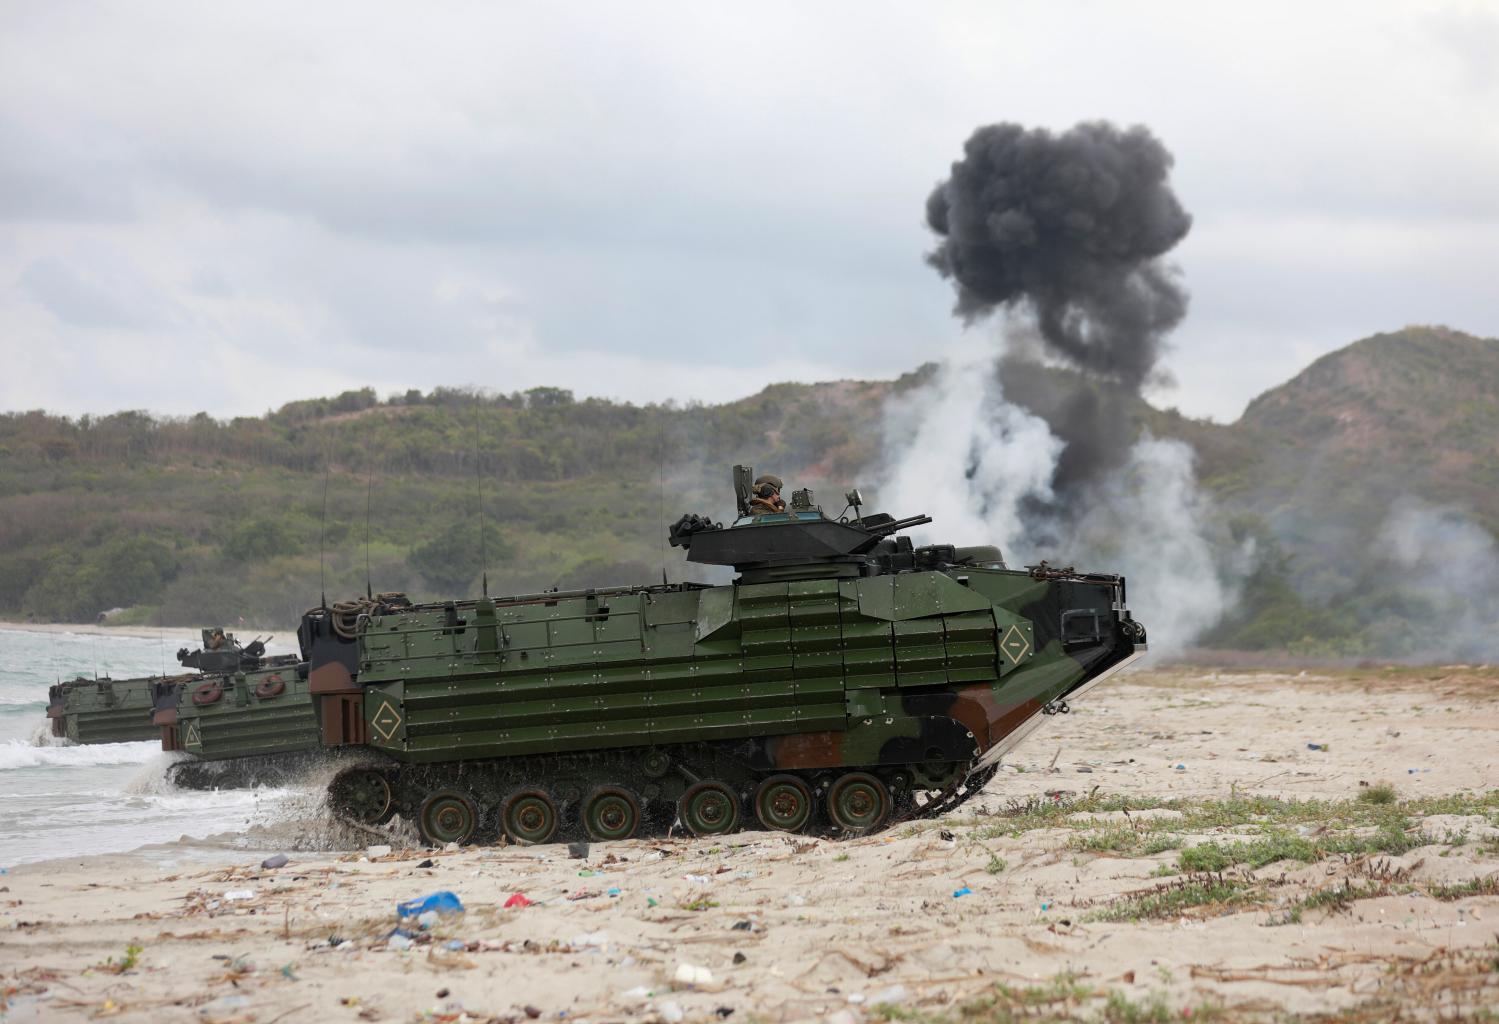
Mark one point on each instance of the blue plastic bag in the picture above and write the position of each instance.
(442, 902)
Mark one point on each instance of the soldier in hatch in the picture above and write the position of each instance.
(765, 496)
(217, 640)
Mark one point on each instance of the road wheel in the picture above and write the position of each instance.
(529, 817)
(858, 802)
(709, 809)
(447, 816)
(611, 813)
(363, 794)
(783, 803)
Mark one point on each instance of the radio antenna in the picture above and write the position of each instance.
(369, 487)
(322, 532)
(479, 484)
(661, 491)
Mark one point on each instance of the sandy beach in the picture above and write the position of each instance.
(1184, 842)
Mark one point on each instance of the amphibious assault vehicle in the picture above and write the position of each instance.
(845, 679)
(102, 710)
(121, 710)
(240, 703)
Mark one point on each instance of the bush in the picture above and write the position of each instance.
(77, 586)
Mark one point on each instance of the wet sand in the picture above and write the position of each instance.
(1077, 890)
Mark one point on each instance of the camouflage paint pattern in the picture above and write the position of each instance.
(242, 714)
(102, 711)
(920, 669)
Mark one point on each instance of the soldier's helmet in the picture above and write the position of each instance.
(770, 481)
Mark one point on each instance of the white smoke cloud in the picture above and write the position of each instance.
(1151, 523)
(971, 459)
(966, 457)
(1450, 566)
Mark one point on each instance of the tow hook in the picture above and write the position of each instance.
(1056, 707)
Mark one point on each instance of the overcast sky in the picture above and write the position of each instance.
(227, 206)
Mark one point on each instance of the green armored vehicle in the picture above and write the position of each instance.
(845, 679)
(101, 710)
(116, 711)
(241, 703)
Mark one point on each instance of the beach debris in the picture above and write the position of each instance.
(442, 902)
(271, 863)
(1318, 746)
(1181, 767)
(692, 974)
(398, 942)
(744, 926)
(223, 1005)
(960, 893)
(376, 852)
(590, 940)
(613, 890)
(889, 996)
(517, 899)
(739, 958)
(697, 879)
(577, 851)
(429, 862)
(531, 1011)
(670, 1011)
(239, 894)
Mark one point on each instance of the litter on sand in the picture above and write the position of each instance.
(691, 974)
(439, 902)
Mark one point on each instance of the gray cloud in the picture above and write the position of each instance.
(619, 185)
(79, 301)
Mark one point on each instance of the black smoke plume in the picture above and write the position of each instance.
(1072, 228)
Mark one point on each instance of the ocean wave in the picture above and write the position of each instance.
(21, 707)
(17, 754)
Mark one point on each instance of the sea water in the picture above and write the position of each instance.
(59, 799)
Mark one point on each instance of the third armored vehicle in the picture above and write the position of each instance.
(845, 678)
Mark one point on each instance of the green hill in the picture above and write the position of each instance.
(198, 519)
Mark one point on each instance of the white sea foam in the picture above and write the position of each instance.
(18, 754)
(41, 736)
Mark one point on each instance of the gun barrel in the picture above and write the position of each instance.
(901, 524)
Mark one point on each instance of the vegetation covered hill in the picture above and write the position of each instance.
(201, 520)
(1370, 483)
(197, 519)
